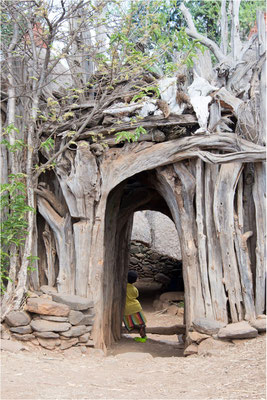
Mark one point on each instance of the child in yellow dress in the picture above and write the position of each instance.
(134, 318)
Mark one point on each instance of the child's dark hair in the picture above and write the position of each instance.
(132, 276)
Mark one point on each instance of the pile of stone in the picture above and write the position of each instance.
(53, 321)
(160, 268)
(212, 337)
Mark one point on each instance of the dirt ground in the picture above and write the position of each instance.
(152, 370)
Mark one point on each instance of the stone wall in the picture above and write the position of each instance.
(154, 266)
(52, 320)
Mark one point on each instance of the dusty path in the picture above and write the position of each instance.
(153, 370)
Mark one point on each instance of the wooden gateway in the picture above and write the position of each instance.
(201, 162)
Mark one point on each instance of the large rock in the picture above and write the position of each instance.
(76, 303)
(47, 307)
(141, 228)
(208, 326)
(87, 320)
(46, 335)
(12, 347)
(17, 318)
(22, 329)
(49, 344)
(42, 325)
(259, 324)
(148, 284)
(237, 330)
(75, 331)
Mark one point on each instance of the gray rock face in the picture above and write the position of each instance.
(17, 318)
(157, 231)
(47, 335)
(75, 331)
(22, 329)
(76, 303)
(208, 326)
(42, 325)
(238, 330)
(54, 318)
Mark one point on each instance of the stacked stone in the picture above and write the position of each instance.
(150, 264)
(61, 321)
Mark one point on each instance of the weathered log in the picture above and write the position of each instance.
(166, 330)
(64, 244)
(259, 195)
(224, 222)
(148, 122)
(50, 255)
(201, 238)
(215, 269)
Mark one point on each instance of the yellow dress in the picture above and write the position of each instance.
(132, 305)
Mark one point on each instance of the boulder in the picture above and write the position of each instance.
(54, 318)
(24, 338)
(42, 325)
(49, 344)
(172, 296)
(76, 303)
(75, 331)
(17, 318)
(12, 347)
(237, 330)
(197, 337)
(210, 346)
(190, 350)
(66, 344)
(75, 317)
(46, 335)
(259, 324)
(21, 329)
(47, 307)
(208, 326)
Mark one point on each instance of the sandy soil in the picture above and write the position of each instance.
(152, 370)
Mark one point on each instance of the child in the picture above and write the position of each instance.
(133, 315)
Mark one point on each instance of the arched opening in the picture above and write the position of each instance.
(143, 191)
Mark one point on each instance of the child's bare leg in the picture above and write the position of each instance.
(142, 331)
